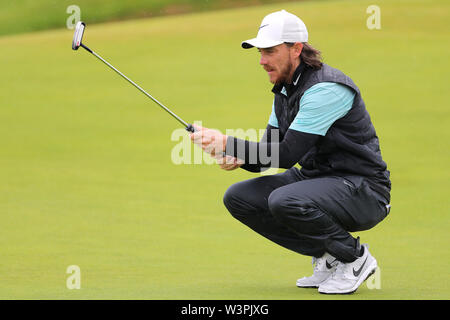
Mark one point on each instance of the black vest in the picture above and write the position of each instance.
(350, 146)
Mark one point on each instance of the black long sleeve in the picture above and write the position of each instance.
(266, 138)
(270, 152)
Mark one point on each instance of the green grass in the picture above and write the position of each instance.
(87, 179)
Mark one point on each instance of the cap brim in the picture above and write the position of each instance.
(260, 43)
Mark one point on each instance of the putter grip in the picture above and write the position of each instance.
(190, 128)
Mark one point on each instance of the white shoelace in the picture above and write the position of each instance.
(317, 263)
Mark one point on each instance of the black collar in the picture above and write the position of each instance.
(290, 88)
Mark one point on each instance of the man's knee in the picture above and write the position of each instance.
(229, 198)
(283, 207)
(242, 202)
(232, 199)
(278, 205)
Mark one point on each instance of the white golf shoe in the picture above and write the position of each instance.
(323, 269)
(349, 276)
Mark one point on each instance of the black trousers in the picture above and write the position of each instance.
(308, 216)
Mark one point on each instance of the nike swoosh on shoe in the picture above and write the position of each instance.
(357, 272)
(329, 266)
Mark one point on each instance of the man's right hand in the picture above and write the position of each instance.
(229, 163)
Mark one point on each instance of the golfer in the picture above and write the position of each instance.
(318, 120)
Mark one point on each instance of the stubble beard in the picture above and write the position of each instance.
(284, 74)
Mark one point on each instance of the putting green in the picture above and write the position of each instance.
(87, 177)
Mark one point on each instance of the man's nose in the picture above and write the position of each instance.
(263, 60)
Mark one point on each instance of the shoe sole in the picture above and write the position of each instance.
(307, 287)
(311, 286)
(370, 271)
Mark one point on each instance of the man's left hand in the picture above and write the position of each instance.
(211, 141)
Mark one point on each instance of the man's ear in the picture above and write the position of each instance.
(298, 47)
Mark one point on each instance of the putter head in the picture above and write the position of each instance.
(78, 35)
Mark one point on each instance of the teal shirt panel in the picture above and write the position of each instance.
(321, 105)
(273, 121)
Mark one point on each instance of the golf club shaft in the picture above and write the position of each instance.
(188, 127)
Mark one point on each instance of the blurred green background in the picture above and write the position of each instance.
(87, 177)
(17, 16)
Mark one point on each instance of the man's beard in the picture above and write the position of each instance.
(284, 74)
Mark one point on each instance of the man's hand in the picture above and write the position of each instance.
(211, 141)
(229, 163)
(214, 142)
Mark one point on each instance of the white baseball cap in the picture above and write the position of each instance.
(277, 28)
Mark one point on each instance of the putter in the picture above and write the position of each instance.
(76, 43)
